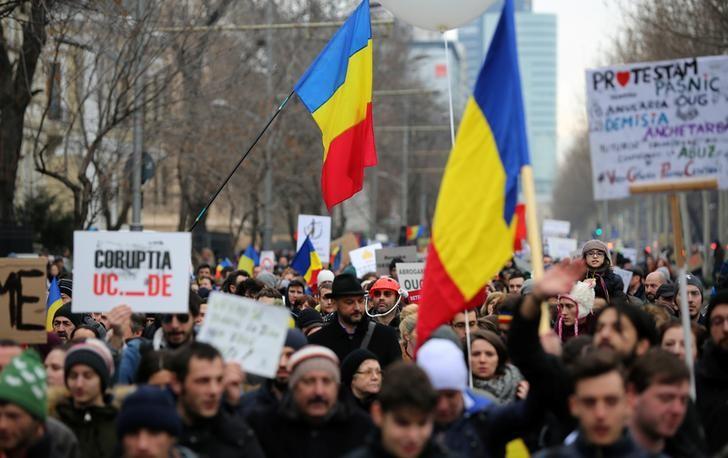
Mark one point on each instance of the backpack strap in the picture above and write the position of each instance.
(368, 337)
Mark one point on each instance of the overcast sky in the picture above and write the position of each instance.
(586, 29)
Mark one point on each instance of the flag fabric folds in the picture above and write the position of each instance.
(248, 259)
(414, 232)
(337, 91)
(53, 303)
(307, 262)
(474, 223)
(223, 264)
(335, 258)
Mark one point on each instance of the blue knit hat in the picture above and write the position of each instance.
(149, 407)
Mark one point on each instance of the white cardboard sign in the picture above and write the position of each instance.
(626, 276)
(246, 331)
(556, 228)
(410, 275)
(146, 270)
(630, 253)
(561, 248)
(364, 259)
(386, 255)
(658, 122)
(267, 260)
(318, 229)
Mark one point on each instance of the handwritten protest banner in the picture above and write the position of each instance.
(384, 257)
(364, 259)
(561, 248)
(149, 271)
(318, 229)
(658, 122)
(410, 276)
(246, 332)
(23, 294)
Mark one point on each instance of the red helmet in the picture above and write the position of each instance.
(385, 283)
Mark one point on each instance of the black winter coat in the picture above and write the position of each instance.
(384, 341)
(94, 427)
(222, 436)
(609, 286)
(374, 449)
(711, 380)
(580, 448)
(283, 433)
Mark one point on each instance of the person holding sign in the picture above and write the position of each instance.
(350, 329)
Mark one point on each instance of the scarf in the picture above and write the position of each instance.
(502, 387)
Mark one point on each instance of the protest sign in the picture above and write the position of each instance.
(267, 260)
(149, 271)
(318, 229)
(23, 295)
(410, 275)
(561, 248)
(658, 122)
(556, 228)
(364, 259)
(384, 257)
(626, 276)
(246, 331)
(630, 253)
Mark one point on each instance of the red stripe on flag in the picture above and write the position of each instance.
(441, 298)
(342, 175)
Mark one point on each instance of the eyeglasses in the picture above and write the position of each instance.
(595, 254)
(370, 372)
(718, 321)
(380, 293)
(472, 324)
(182, 318)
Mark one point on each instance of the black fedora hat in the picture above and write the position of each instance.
(345, 285)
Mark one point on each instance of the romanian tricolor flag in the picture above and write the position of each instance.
(248, 259)
(414, 232)
(474, 223)
(335, 258)
(337, 91)
(307, 262)
(53, 303)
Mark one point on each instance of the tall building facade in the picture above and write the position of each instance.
(536, 37)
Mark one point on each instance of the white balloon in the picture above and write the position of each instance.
(437, 15)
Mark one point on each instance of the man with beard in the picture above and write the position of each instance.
(659, 388)
(178, 328)
(311, 422)
(653, 281)
(64, 322)
(695, 297)
(25, 428)
(206, 428)
(711, 375)
(383, 302)
(350, 330)
(272, 391)
(626, 330)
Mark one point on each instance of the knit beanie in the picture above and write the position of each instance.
(268, 279)
(324, 276)
(295, 339)
(596, 245)
(23, 383)
(695, 281)
(312, 358)
(309, 317)
(65, 285)
(149, 407)
(351, 364)
(96, 355)
(444, 363)
(65, 311)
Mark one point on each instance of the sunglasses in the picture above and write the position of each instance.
(182, 318)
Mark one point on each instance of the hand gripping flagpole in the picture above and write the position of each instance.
(240, 162)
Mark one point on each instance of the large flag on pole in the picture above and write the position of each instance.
(337, 91)
(53, 303)
(474, 223)
(307, 262)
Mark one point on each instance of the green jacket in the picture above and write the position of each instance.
(94, 427)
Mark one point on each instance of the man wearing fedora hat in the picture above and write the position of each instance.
(351, 328)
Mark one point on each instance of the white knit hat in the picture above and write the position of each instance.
(324, 276)
(583, 294)
(444, 364)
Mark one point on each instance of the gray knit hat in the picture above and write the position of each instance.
(596, 245)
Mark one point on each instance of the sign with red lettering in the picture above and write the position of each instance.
(149, 271)
(658, 122)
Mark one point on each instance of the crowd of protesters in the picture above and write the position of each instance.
(606, 377)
